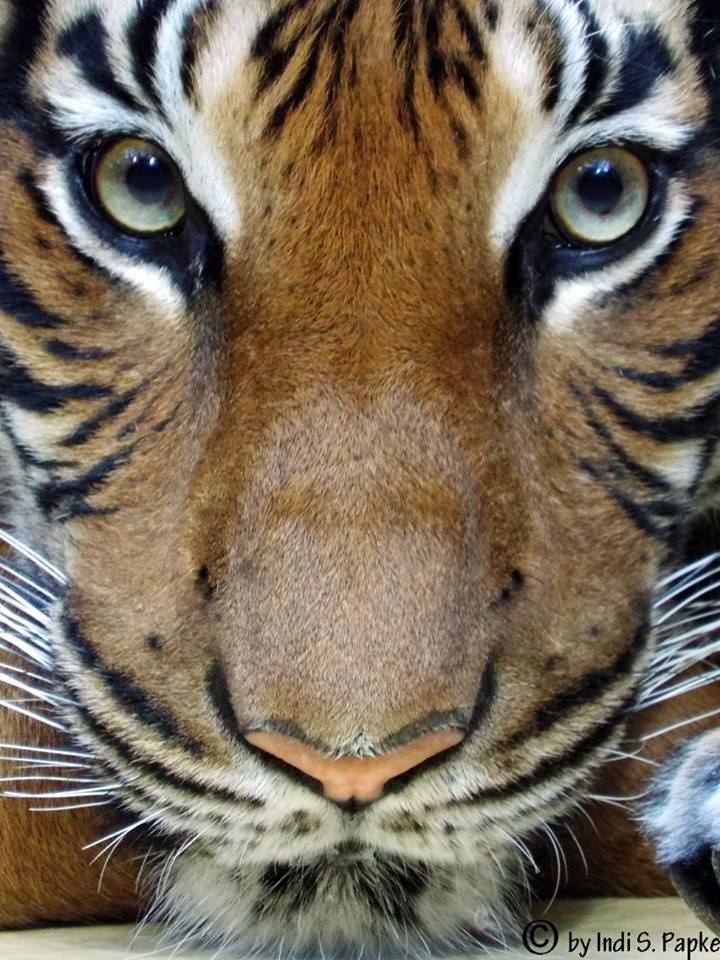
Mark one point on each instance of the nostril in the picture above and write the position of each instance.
(355, 780)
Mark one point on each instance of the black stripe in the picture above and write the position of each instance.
(641, 514)
(443, 68)
(596, 72)
(705, 29)
(552, 767)
(555, 64)
(126, 692)
(142, 39)
(68, 498)
(626, 465)
(17, 300)
(492, 14)
(42, 208)
(406, 49)
(85, 42)
(20, 387)
(19, 49)
(647, 59)
(274, 59)
(111, 411)
(703, 356)
(701, 421)
(305, 81)
(28, 458)
(26, 180)
(68, 351)
(221, 700)
(338, 47)
(191, 37)
(155, 768)
(587, 689)
(437, 65)
(470, 31)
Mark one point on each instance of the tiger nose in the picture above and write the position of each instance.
(361, 779)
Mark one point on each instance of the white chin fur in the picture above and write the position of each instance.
(336, 907)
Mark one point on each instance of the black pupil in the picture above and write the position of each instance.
(149, 179)
(601, 187)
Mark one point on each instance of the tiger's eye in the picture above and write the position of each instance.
(139, 187)
(600, 196)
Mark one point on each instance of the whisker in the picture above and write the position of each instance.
(73, 806)
(37, 778)
(22, 581)
(40, 678)
(579, 847)
(55, 751)
(14, 622)
(118, 833)
(28, 650)
(685, 602)
(621, 755)
(53, 699)
(680, 690)
(680, 724)
(34, 557)
(31, 612)
(32, 715)
(58, 794)
(33, 764)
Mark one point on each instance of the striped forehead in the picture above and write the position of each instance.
(192, 74)
(165, 48)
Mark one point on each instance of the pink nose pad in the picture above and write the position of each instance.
(354, 778)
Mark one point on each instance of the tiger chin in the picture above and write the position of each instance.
(359, 402)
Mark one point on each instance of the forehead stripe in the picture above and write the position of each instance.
(142, 38)
(85, 42)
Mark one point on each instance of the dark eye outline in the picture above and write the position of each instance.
(192, 252)
(92, 162)
(541, 254)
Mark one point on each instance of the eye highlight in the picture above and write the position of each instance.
(138, 187)
(600, 196)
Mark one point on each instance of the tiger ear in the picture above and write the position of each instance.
(682, 819)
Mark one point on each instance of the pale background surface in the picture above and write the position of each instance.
(586, 919)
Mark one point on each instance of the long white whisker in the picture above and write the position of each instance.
(38, 778)
(14, 595)
(55, 751)
(72, 806)
(684, 572)
(38, 677)
(31, 763)
(20, 625)
(682, 723)
(118, 833)
(27, 649)
(20, 581)
(680, 690)
(58, 794)
(53, 699)
(32, 715)
(28, 552)
(685, 602)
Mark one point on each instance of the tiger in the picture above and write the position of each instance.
(359, 406)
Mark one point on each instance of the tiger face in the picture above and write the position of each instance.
(358, 371)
